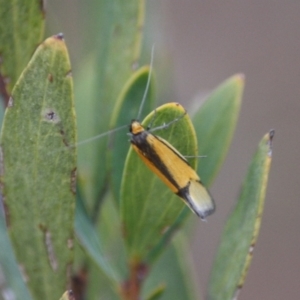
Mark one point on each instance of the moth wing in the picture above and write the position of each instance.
(172, 148)
(199, 199)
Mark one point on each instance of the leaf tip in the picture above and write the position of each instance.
(59, 36)
(68, 295)
(240, 78)
(271, 135)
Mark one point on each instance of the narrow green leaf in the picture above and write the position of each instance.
(99, 286)
(89, 239)
(175, 272)
(126, 109)
(21, 30)
(112, 246)
(11, 280)
(38, 173)
(215, 124)
(242, 228)
(157, 293)
(148, 207)
(114, 62)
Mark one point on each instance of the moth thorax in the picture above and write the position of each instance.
(136, 127)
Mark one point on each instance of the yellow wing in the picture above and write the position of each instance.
(174, 170)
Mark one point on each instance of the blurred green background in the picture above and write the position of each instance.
(198, 45)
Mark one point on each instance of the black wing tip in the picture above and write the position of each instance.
(203, 214)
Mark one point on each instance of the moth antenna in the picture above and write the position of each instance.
(99, 136)
(89, 139)
(148, 83)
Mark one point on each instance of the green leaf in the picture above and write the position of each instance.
(215, 123)
(11, 279)
(175, 272)
(126, 109)
(157, 293)
(38, 173)
(242, 228)
(148, 207)
(90, 240)
(21, 30)
(112, 247)
(114, 62)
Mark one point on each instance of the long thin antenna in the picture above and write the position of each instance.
(99, 136)
(88, 140)
(148, 83)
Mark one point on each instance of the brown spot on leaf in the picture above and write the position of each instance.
(69, 275)
(270, 142)
(3, 91)
(51, 116)
(59, 36)
(50, 77)
(69, 74)
(251, 249)
(73, 181)
(79, 283)
(71, 295)
(10, 102)
(70, 243)
(42, 8)
(49, 247)
(7, 214)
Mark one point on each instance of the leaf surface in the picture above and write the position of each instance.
(21, 30)
(242, 228)
(215, 123)
(38, 172)
(148, 206)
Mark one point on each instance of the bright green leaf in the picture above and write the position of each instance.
(148, 207)
(242, 228)
(21, 30)
(38, 171)
(215, 124)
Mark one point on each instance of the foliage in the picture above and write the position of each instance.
(125, 217)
